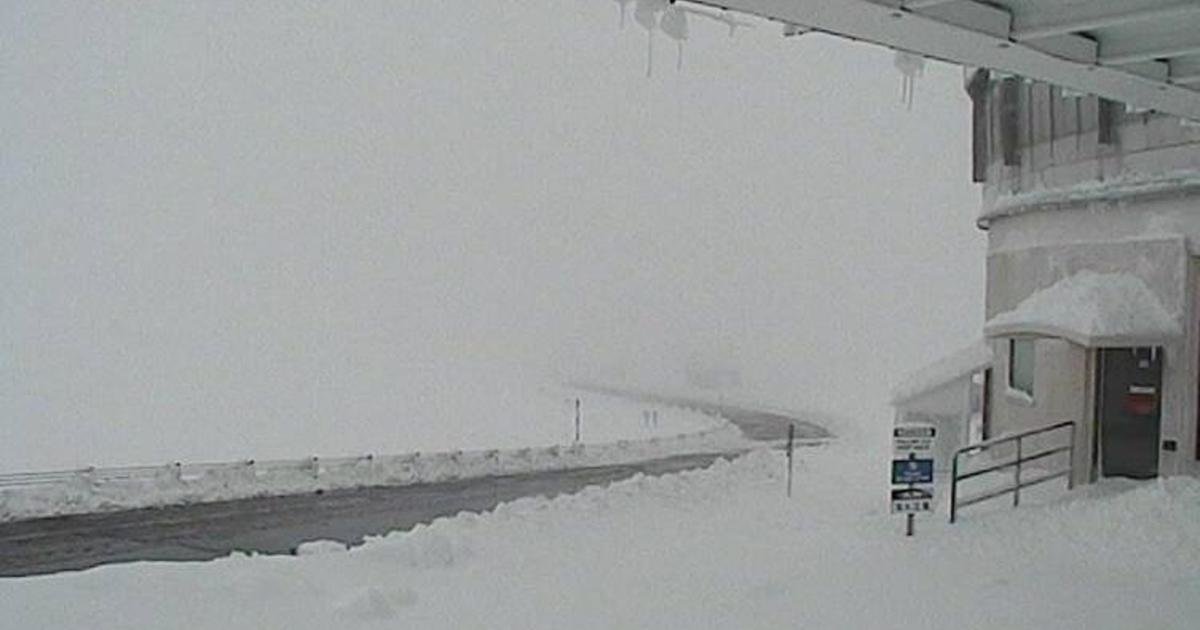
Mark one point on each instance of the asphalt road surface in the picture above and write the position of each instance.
(279, 524)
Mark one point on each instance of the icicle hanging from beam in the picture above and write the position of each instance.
(646, 14)
(725, 17)
(623, 4)
(674, 25)
(910, 66)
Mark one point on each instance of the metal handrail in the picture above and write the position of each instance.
(1018, 483)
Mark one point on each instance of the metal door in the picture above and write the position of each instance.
(1129, 411)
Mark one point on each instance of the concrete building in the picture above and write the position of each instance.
(1092, 213)
(1092, 209)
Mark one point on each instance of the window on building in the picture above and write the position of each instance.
(1020, 366)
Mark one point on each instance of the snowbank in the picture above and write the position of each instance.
(98, 490)
(1091, 309)
(717, 548)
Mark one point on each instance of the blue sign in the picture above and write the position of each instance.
(912, 471)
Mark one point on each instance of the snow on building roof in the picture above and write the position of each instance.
(1091, 309)
(963, 363)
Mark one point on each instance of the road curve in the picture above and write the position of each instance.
(279, 524)
(755, 424)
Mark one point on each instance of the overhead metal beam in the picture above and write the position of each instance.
(914, 32)
(922, 4)
(1121, 56)
(1185, 70)
(973, 15)
(1071, 47)
(1027, 28)
(1156, 70)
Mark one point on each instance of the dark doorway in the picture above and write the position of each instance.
(1129, 393)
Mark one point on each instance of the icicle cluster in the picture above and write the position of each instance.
(623, 4)
(910, 66)
(672, 19)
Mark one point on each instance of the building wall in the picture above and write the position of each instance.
(1187, 428)
(1063, 371)
(1060, 139)
(1086, 185)
(1062, 382)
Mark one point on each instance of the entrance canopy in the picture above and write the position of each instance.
(1142, 52)
(1093, 310)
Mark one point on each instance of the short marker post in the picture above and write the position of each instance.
(576, 420)
(790, 439)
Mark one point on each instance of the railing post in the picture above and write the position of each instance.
(1017, 475)
(954, 486)
(1017, 464)
(1071, 460)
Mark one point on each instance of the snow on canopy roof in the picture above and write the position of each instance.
(967, 361)
(1091, 309)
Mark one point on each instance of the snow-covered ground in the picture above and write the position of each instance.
(536, 424)
(720, 547)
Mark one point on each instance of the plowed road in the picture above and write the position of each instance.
(279, 524)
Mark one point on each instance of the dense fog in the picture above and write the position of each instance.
(234, 224)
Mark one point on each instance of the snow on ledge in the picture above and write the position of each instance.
(1092, 310)
(966, 361)
(1130, 185)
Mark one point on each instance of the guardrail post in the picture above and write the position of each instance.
(1017, 475)
(1071, 461)
(790, 439)
(954, 486)
(577, 421)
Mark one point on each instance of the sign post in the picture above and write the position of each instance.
(576, 420)
(912, 471)
(791, 438)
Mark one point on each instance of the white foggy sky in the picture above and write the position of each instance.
(219, 216)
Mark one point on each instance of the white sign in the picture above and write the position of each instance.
(912, 500)
(915, 440)
(912, 464)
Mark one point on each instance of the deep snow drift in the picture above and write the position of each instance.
(713, 548)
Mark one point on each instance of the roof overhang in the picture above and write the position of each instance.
(1092, 310)
(957, 366)
(1142, 52)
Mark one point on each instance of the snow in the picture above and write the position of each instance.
(1128, 185)
(674, 431)
(425, 406)
(966, 361)
(720, 547)
(1091, 309)
(317, 547)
